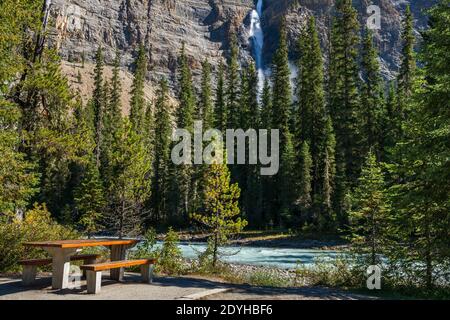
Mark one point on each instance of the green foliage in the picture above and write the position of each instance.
(344, 101)
(36, 226)
(422, 190)
(137, 103)
(369, 218)
(90, 200)
(170, 258)
(221, 209)
(128, 189)
(163, 130)
(18, 180)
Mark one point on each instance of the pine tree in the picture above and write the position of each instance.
(266, 123)
(206, 103)
(327, 219)
(371, 97)
(138, 103)
(163, 130)
(232, 93)
(112, 118)
(221, 119)
(221, 208)
(369, 217)
(182, 188)
(408, 64)
(421, 198)
(391, 126)
(98, 103)
(281, 118)
(18, 180)
(248, 176)
(311, 113)
(128, 190)
(303, 188)
(89, 199)
(344, 101)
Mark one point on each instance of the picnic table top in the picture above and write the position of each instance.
(81, 243)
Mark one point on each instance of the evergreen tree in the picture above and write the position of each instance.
(249, 177)
(371, 97)
(344, 101)
(326, 220)
(408, 64)
(138, 103)
(98, 103)
(266, 123)
(281, 117)
(221, 208)
(311, 113)
(369, 217)
(303, 187)
(421, 197)
(206, 103)
(220, 106)
(128, 190)
(18, 180)
(391, 126)
(232, 93)
(90, 201)
(182, 188)
(163, 130)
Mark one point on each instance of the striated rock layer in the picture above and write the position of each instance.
(204, 25)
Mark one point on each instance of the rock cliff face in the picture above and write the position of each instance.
(204, 25)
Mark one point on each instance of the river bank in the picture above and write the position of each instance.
(272, 239)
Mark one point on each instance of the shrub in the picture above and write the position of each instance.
(170, 260)
(37, 226)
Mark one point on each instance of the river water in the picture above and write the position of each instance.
(285, 258)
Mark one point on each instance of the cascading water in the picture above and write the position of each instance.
(257, 36)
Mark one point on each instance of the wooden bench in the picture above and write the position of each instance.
(94, 271)
(30, 265)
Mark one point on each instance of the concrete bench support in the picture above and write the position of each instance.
(94, 281)
(147, 273)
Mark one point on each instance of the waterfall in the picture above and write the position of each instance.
(257, 37)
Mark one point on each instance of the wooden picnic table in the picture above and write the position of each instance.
(62, 250)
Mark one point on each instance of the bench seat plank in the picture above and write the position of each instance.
(43, 262)
(117, 264)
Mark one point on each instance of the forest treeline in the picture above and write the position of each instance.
(359, 155)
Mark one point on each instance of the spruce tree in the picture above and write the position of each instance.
(220, 216)
(163, 130)
(281, 118)
(421, 198)
(128, 190)
(182, 188)
(206, 102)
(344, 101)
(232, 91)
(138, 103)
(303, 187)
(311, 114)
(371, 97)
(89, 199)
(406, 74)
(220, 107)
(98, 103)
(370, 213)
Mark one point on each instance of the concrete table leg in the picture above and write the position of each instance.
(147, 273)
(118, 253)
(28, 275)
(94, 281)
(61, 266)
